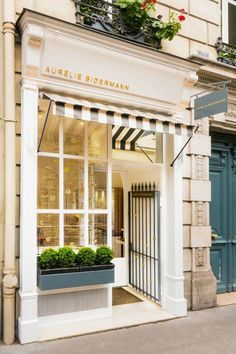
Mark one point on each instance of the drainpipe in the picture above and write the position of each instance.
(9, 277)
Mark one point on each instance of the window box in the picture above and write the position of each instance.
(49, 279)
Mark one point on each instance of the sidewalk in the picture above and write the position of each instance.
(208, 331)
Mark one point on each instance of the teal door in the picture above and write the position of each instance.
(223, 211)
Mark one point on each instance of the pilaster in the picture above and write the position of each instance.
(200, 284)
(28, 323)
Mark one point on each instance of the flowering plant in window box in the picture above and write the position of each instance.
(131, 19)
(140, 15)
(64, 268)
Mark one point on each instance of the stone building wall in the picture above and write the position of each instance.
(198, 36)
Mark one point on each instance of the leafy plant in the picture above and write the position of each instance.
(166, 30)
(104, 255)
(135, 12)
(139, 14)
(66, 257)
(86, 257)
(48, 259)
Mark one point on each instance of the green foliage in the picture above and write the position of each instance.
(104, 255)
(134, 14)
(137, 14)
(48, 259)
(166, 30)
(86, 257)
(66, 257)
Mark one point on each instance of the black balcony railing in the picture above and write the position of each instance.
(105, 16)
(226, 52)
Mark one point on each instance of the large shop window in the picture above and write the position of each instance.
(228, 21)
(72, 182)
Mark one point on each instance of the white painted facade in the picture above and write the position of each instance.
(156, 82)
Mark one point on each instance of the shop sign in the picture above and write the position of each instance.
(213, 103)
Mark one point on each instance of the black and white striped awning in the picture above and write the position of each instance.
(159, 122)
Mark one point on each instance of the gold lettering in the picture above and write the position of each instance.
(106, 83)
(127, 87)
(47, 70)
(111, 83)
(78, 77)
(59, 72)
(95, 80)
(54, 71)
(66, 72)
(87, 78)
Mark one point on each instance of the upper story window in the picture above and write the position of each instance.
(229, 21)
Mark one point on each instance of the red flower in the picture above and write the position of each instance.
(181, 18)
(153, 1)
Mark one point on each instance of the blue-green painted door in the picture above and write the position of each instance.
(223, 211)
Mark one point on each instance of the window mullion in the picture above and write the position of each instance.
(61, 184)
(86, 194)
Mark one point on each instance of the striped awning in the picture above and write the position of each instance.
(159, 122)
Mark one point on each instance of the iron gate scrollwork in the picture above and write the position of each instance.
(144, 240)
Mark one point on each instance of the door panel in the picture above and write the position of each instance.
(219, 214)
(223, 211)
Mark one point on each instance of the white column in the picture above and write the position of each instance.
(173, 294)
(28, 320)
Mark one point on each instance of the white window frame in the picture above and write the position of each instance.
(86, 211)
(225, 19)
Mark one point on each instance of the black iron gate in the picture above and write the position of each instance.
(144, 240)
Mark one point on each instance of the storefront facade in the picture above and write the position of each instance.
(116, 120)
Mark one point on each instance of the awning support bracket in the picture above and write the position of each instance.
(44, 126)
(172, 164)
(144, 153)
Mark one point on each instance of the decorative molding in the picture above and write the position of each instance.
(231, 114)
(199, 257)
(200, 213)
(190, 79)
(199, 167)
(35, 36)
(208, 80)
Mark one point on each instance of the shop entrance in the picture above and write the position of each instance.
(144, 250)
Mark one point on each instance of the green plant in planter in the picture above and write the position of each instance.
(135, 12)
(104, 255)
(66, 257)
(166, 30)
(48, 259)
(85, 257)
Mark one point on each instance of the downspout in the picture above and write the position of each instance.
(9, 277)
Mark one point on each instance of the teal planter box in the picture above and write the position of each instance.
(49, 279)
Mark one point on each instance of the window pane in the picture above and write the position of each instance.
(48, 183)
(73, 136)
(97, 185)
(49, 137)
(97, 140)
(231, 26)
(73, 230)
(73, 184)
(48, 230)
(97, 229)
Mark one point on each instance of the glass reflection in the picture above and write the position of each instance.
(48, 182)
(97, 229)
(97, 140)
(48, 230)
(73, 184)
(73, 137)
(97, 185)
(73, 230)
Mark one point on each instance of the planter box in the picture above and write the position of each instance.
(49, 279)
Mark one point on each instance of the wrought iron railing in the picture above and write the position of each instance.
(226, 52)
(106, 16)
